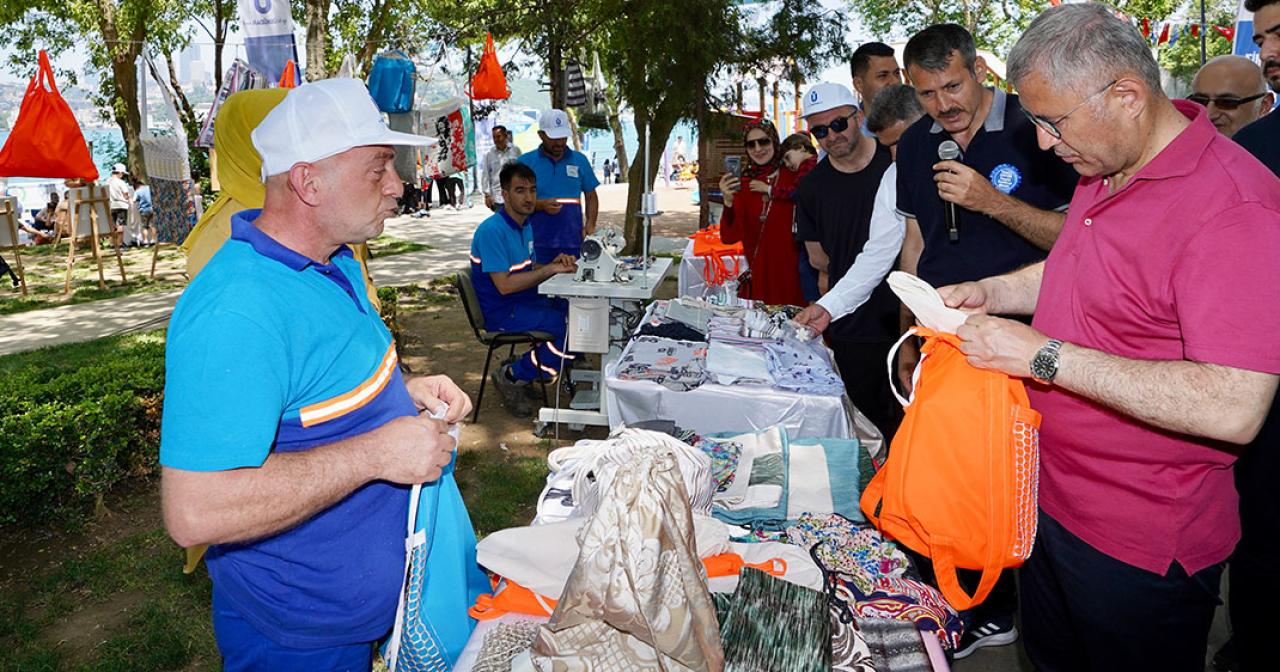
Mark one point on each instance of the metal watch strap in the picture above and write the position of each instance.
(1046, 358)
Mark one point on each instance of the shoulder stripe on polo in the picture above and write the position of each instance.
(356, 398)
(521, 266)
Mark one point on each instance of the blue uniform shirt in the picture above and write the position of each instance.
(500, 245)
(1004, 151)
(270, 351)
(570, 177)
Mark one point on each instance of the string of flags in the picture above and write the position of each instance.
(1169, 32)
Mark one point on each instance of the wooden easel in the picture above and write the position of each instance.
(91, 224)
(9, 212)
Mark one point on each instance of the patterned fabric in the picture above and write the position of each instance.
(840, 545)
(849, 650)
(905, 600)
(724, 456)
(895, 646)
(775, 625)
(504, 642)
(677, 365)
(637, 598)
(174, 205)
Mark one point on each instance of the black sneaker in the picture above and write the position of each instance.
(514, 393)
(991, 633)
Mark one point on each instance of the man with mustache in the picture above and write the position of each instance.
(1008, 194)
(1152, 350)
(1262, 137)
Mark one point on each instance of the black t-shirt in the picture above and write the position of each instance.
(1005, 151)
(834, 210)
(1262, 139)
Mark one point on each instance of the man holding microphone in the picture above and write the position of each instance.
(998, 208)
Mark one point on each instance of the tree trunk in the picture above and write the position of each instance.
(373, 40)
(186, 114)
(555, 67)
(125, 108)
(661, 125)
(615, 124)
(317, 16)
(221, 22)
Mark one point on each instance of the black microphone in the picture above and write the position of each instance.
(950, 151)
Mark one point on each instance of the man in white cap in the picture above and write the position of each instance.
(834, 203)
(119, 196)
(290, 437)
(566, 182)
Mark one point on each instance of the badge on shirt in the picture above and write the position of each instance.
(571, 171)
(1006, 177)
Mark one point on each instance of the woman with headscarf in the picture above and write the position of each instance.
(762, 223)
(239, 171)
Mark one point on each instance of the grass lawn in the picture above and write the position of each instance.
(45, 269)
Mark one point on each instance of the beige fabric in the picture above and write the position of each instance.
(637, 598)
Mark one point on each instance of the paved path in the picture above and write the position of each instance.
(447, 231)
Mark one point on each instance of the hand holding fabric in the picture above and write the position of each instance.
(999, 344)
(429, 393)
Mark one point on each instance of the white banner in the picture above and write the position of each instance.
(268, 31)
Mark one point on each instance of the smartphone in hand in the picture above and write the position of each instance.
(733, 165)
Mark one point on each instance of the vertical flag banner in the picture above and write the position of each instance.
(268, 31)
(1243, 44)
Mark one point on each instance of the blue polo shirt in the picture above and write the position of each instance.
(269, 351)
(570, 177)
(1005, 151)
(500, 245)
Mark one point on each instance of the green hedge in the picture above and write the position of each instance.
(74, 421)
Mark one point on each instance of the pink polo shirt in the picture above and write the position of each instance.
(1181, 263)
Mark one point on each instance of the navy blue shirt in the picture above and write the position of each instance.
(1005, 151)
(1262, 139)
(501, 245)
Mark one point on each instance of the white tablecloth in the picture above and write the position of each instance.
(691, 281)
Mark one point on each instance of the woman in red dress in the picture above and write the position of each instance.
(762, 223)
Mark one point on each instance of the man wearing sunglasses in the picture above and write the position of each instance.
(1262, 137)
(1234, 91)
(1152, 352)
(1007, 195)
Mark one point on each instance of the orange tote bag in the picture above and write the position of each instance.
(959, 485)
(46, 139)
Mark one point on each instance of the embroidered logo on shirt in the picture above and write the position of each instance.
(571, 171)
(1006, 177)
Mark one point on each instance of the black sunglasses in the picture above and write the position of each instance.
(758, 142)
(1223, 102)
(837, 125)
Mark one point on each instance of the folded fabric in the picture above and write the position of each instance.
(908, 600)
(840, 545)
(800, 567)
(729, 364)
(673, 330)
(895, 645)
(678, 365)
(763, 463)
(823, 478)
(770, 624)
(802, 367)
(849, 649)
(503, 643)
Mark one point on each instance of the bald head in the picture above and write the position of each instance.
(1225, 86)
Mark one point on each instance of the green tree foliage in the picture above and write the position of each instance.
(112, 32)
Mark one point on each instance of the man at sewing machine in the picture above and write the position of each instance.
(506, 280)
(566, 191)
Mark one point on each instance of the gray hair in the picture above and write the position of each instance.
(1082, 47)
(894, 103)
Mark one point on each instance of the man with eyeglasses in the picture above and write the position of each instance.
(834, 203)
(1152, 352)
(1234, 91)
(1262, 137)
(1008, 195)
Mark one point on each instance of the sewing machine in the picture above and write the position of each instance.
(599, 260)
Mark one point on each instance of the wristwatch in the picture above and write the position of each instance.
(1044, 366)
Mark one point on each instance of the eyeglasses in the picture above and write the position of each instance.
(1223, 102)
(837, 125)
(758, 142)
(1050, 126)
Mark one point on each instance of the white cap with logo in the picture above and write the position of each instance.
(321, 119)
(555, 123)
(827, 96)
(119, 168)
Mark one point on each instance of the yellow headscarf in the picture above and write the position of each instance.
(239, 171)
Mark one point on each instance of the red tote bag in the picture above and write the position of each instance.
(489, 82)
(46, 140)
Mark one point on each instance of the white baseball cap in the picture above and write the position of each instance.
(826, 96)
(555, 123)
(321, 119)
(119, 168)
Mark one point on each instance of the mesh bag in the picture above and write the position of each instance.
(960, 482)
